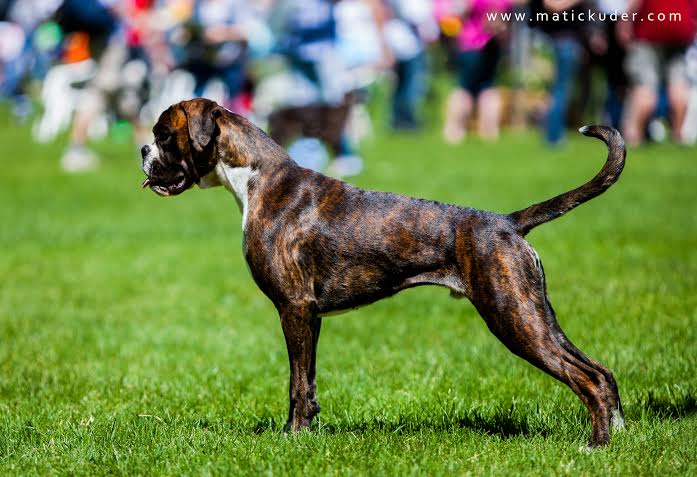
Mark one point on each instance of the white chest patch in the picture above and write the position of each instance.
(236, 180)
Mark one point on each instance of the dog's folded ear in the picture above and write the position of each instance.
(201, 115)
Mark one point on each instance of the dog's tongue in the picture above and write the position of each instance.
(146, 183)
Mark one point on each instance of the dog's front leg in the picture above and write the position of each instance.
(301, 330)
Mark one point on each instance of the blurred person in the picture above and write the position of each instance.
(91, 24)
(610, 55)
(409, 30)
(478, 54)
(656, 55)
(63, 86)
(567, 42)
(116, 30)
(215, 45)
(689, 129)
(26, 48)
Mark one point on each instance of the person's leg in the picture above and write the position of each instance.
(612, 63)
(460, 103)
(399, 105)
(13, 71)
(202, 74)
(489, 100)
(641, 104)
(678, 92)
(233, 78)
(614, 103)
(92, 104)
(489, 113)
(458, 109)
(408, 92)
(642, 68)
(678, 95)
(567, 54)
(347, 162)
(307, 68)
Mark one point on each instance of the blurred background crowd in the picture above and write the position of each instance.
(308, 71)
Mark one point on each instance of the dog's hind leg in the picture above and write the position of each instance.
(509, 293)
(301, 330)
(616, 411)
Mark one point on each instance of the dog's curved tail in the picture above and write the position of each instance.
(537, 214)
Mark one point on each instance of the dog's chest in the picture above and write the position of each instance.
(236, 180)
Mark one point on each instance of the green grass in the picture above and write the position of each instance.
(133, 340)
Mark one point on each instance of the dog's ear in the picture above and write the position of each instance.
(201, 116)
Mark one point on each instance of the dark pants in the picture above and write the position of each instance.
(567, 57)
(409, 90)
(613, 65)
(231, 75)
(476, 69)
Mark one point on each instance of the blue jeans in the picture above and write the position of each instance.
(409, 90)
(15, 71)
(567, 57)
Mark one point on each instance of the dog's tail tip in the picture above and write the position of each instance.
(605, 133)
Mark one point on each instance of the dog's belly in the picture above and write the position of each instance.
(338, 301)
(347, 276)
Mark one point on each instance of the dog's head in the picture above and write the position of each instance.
(184, 151)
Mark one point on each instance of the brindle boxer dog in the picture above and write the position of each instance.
(323, 122)
(316, 245)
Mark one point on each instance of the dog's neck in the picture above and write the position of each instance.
(254, 156)
(235, 180)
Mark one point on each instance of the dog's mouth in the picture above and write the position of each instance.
(176, 186)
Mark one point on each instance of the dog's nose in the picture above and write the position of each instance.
(144, 151)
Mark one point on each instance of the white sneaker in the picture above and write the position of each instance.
(345, 166)
(79, 159)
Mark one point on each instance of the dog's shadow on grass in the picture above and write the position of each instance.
(669, 403)
(502, 424)
(672, 404)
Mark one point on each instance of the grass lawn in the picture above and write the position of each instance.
(134, 341)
